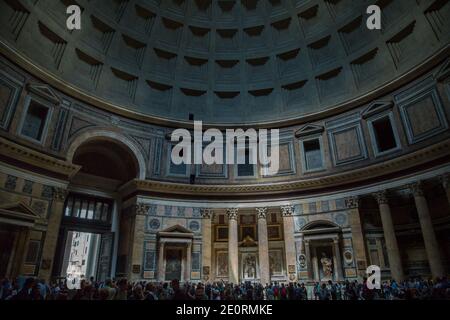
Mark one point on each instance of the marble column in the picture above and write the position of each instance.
(263, 246)
(207, 215)
(429, 237)
(233, 249)
(445, 180)
(308, 259)
(359, 249)
(289, 241)
(52, 233)
(395, 262)
(337, 260)
(137, 241)
(161, 261)
(187, 269)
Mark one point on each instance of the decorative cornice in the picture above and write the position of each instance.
(352, 202)
(410, 160)
(416, 189)
(232, 213)
(287, 211)
(206, 213)
(381, 197)
(261, 212)
(37, 159)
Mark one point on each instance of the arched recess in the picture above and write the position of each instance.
(99, 135)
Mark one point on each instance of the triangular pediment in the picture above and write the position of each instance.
(18, 213)
(444, 72)
(45, 92)
(376, 107)
(308, 129)
(19, 207)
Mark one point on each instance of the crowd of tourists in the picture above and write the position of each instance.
(23, 288)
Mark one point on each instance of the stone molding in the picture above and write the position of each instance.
(261, 212)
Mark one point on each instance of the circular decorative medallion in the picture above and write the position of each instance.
(340, 219)
(194, 225)
(154, 224)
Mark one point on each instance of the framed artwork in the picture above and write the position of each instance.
(222, 264)
(248, 231)
(221, 233)
(274, 232)
(276, 262)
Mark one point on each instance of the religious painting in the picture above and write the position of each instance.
(248, 231)
(274, 232)
(249, 266)
(325, 260)
(173, 264)
(221, 233)
(276, 262)
(222, 264)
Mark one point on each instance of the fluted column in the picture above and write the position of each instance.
(289, 241)
(445, 180)
(187, 270)
(52, 234)
(207, 215)
(161, 261)
(337, 260)
(395, 262)
(308, 260)
(352, 204)
(429, 237)
(136, 248)
(263, 246)
(233, 249)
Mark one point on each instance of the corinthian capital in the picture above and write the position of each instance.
(261, 212)
(416, 189)
(232, 213)
(141, 208)
(59, 194)
(287, 210)
(352, 202)
(206, 213)
(381, 197)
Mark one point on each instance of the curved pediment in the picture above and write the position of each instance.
(176, 231)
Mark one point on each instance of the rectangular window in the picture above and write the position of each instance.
(384, 134)
(312, 154)
(35, 120)
(177, 169)
(247, 169)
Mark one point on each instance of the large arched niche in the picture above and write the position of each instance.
(105, 156)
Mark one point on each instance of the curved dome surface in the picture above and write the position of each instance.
(226, 61)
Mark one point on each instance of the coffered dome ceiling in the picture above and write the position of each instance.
(226, 61)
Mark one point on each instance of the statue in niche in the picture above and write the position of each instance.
(327, 266)
(250, 267)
